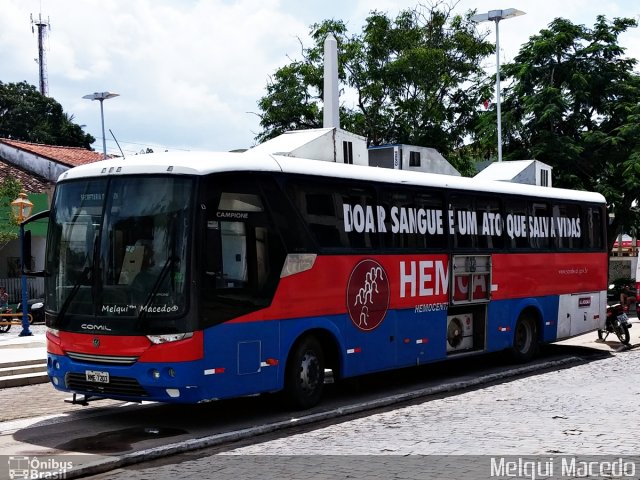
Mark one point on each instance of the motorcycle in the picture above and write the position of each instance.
(36, 310)
(617, 322)
(5, 326)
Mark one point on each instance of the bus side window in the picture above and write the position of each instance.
(465, 221)
(234, 254)
(540, 237)
(227, 254)
(213, 257)
(594, 236)
(515, 227)
(566, 218)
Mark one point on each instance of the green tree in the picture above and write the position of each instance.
(9, 190)
(574, 103)
(415, 79)
(26, 114)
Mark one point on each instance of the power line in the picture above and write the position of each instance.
(124, 143)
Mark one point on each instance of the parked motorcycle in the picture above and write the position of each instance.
(617, 322)
(5, 326)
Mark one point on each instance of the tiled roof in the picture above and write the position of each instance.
(71, 156)
(31, 183)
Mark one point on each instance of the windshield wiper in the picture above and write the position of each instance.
(156, 286)
(171, 261)
(85, 277)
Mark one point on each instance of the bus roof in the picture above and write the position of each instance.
(202, 163)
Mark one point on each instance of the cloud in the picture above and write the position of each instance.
(190, 73)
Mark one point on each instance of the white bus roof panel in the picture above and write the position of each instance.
(202, 163)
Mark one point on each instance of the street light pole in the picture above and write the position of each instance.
(26, 332)
(496, 16)
(22, 207)
(101, 97)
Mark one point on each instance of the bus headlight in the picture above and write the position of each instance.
(173, 337)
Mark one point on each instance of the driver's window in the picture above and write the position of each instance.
(232, 242)
(234, 254)
(242, 252)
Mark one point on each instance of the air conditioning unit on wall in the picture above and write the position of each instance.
(459, 332)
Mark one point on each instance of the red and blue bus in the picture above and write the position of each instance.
(191, 277)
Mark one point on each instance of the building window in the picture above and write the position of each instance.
(544, 178)
(414, 159)
(347, 152)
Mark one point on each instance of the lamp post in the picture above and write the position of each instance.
(496, 16)
(102, 96)
(21, 208)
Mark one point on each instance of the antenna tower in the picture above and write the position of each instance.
(42, 63)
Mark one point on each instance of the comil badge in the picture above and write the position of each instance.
(368, 295)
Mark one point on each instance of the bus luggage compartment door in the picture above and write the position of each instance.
(580, 312)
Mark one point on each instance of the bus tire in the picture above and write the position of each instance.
(304, 376)
(525, 338)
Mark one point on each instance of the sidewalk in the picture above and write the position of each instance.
(23, 360)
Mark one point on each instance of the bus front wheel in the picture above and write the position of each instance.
(304, 377)
(525, 338)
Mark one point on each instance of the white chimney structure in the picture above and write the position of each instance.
(332, 144)
(331, 114)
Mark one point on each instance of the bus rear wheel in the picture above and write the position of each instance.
(525, 338)
(304, 377)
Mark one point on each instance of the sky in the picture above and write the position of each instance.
(189, 73)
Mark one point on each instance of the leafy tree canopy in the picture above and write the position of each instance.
(9, 190)
(574, 103)
(413, 79)
(26, 114)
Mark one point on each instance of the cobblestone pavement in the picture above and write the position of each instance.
(35, 400)
(39, 401)
(588, 409)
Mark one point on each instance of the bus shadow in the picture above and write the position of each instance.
(125, 429)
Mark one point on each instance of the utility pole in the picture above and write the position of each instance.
(42, 64)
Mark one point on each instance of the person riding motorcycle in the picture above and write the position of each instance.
(627, 297)
(4, 300)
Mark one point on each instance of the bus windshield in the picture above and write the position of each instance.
(117, 253)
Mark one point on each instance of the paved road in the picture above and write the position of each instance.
(563, 412)
(587, 409)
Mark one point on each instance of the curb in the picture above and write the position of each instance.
(23, 372)
(105, 465)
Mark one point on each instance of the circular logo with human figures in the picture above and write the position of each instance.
(368, 295)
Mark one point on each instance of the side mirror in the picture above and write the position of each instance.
(26, 251)
(26, 246)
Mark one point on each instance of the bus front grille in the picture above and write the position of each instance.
(116, 386)
(110, 359)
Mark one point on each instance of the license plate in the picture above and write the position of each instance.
(623, 318)
(96, 377)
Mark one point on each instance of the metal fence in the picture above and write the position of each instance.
(35, 288)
